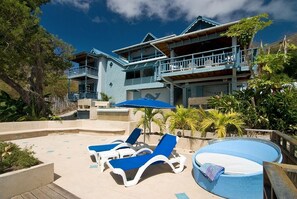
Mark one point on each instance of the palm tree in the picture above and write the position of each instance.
(221, 122)
(183, 118)
(148, 117)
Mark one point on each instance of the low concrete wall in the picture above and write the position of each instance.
(183, 145)
(20, 130)
(21, 181)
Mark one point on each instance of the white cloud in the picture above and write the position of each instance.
(190, 9)
(80, 4)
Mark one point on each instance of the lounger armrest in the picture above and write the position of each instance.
(142, 150)
(123, 145)
(140, 145)
(117, 141)
(180, 160)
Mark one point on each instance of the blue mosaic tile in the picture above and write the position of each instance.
(181, 196)
(92, 166)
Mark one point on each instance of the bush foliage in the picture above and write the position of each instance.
(12, 157)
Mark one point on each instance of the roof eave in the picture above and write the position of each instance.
(140, 44)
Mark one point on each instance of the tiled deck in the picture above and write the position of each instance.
(76, 173)
(51, 191)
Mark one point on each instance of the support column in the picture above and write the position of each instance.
(235, 65)
(171, 94)
(86, 86)
(185, 97)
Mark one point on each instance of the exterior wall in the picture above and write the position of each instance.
(113, 84)
(158, 94)
(101, 75)
(215, 90)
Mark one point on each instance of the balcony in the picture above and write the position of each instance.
(141, 80)
(209, 61)
(73, 97)
(83, 71)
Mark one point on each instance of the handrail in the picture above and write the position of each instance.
(282, 186)
(200, 53)
(288, 146)
(87, 70)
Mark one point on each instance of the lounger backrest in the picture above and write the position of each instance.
(166, 145)
(134, 136)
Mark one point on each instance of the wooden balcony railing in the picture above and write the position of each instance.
(280, 181)
(288, 146)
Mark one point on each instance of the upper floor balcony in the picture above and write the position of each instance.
(82, 95)
(83, 71)
(140, 80)
(203, 62)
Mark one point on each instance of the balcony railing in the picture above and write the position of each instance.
(279, 181)
(209, 59)
(82, 71)
(88, 95)
(141, 80)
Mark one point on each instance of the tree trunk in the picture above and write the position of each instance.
(24, 94)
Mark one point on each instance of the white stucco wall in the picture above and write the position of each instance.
(114, 82)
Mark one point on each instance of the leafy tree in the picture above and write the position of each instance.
(17, 110)
(29, 56)
(183, 118)
(246, 30)
(290, 67)
(221, 122)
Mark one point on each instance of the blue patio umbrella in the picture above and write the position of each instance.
(145, 103)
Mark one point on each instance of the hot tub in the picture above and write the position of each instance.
(242, 159)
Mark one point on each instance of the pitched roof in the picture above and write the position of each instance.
(199, 24)
(148, 37)
(97, 52)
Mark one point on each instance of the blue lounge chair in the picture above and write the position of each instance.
(117, 144)
(161, 154)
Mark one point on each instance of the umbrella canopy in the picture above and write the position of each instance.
(145, 103)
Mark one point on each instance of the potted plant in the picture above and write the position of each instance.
(221, 122)
(20, 171)
(184, 119)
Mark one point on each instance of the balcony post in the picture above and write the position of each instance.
(235, 64)
(171, 94)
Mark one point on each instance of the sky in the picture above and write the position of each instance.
(108, 25)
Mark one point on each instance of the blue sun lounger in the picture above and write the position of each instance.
(103, 152)
(161, 154)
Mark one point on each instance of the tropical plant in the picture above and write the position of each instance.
(12, 157)
(221, 122)
(105, 97)
(17, 110)
(149, 116)
(246, 30)
(183, 118)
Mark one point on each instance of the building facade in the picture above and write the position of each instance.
(178, 69)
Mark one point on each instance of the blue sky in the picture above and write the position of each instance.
(112, 24)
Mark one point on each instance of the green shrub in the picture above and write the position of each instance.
(12, 157)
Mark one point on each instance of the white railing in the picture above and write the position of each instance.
(220, 57)
(84, 70)
(141, 80)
